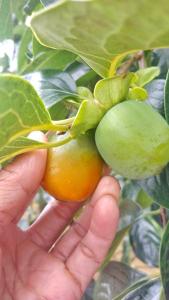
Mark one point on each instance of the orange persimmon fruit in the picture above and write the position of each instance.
(73, 169)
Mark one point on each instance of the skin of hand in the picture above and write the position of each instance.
(47, 262)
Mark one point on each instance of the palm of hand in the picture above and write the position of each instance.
(29, 272)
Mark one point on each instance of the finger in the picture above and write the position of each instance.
(19, 182)
(84, 261)
(54, 219)
(51, 223)
(107, 186)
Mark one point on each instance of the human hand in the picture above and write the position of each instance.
(45, 262)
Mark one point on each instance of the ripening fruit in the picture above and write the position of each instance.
(133, 139)
(73, 169)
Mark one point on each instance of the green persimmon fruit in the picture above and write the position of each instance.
(133, 139)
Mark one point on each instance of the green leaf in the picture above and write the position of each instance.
(149, 290)
(52, 59)
(157, 187)
(143, 199)
(161, 59)
(30, 6)
(146, 75)
(129, 212)
(112, 90)
(116, 280)
(53, 86)
(98, 31)
(166, 98)
(6, 26)
(21, 111)
(145, 239)
(22, 59)
(23, 144)
(48, 2)
(164, 261)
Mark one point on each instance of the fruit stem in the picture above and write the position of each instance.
(64, 122)
(61, 142)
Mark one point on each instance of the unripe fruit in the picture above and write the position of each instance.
(133, 139)
(73, 169)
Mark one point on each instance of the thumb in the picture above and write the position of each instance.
(19, 182)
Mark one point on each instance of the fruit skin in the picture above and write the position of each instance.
(73, 169)
(133, 139)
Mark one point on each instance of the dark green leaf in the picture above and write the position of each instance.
(155, 91)
(6, 26)
(149, 291)
(48, 2)
(53, 86)
(30, 6)
(166, 98)
(145, 240)
(130, 191)
(53, 59)
(88, 295)
(157, 187)
(129, 212)
(58, 111)
(161, 59)
(164, 261)
(115, 279)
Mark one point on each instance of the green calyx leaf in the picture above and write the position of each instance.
(88, 116)
(107, 93)
(146, 75)
(113, 90)
(137, 93)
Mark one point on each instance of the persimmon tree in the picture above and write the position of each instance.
(98, 68)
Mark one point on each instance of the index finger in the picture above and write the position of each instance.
(19, 182)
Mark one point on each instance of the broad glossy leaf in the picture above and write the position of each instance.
(129, 212)
(21, 111)
(157, 187)
(145, 240)
(166, 98)
(155, 91)
(6, 26)
(164, 261)
(53, 86)
(88, 295)
(52, 59)
(100, 30)
(161, 59)
(148, 291)
(115, 279)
